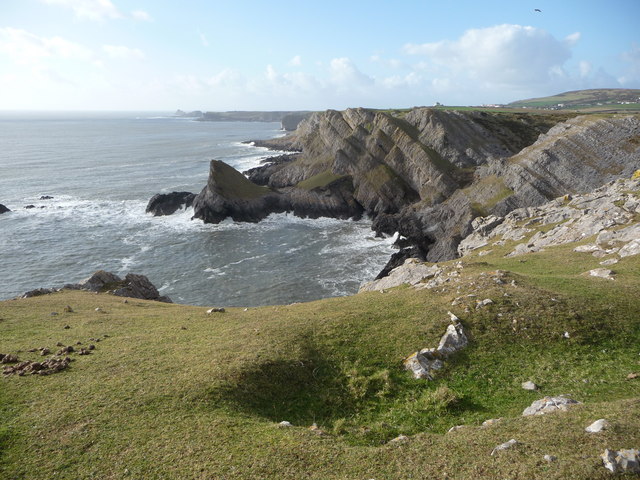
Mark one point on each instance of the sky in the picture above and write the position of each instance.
(161, 55)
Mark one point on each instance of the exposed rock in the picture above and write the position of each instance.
(483, 303)
(597, 426)
(139, 286)
(8, 358)
(633, 376)
(549, 404)
(456, 428)
(52, 365)
(622, 461)
(491, 422)
(453, 340)
(422, 363)
(399, 439)
(168, 203)
(3, 209)
(260, 175)
(284, 424)
(100, 281)
(504, 446)
(529, 385)
(215, 310)
(68, 309)
(601, 273)
(609, 212)
(550, 458)
(412, 271)
(46, 197)
(37, 292)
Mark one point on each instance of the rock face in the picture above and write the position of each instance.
(426, 173)
(229, 194)
(609, 212)
(3, 209)
(168, 203)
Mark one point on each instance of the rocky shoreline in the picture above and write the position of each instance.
(425, 174)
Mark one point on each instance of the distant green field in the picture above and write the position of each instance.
(594, 100)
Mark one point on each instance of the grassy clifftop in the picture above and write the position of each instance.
(173, 392)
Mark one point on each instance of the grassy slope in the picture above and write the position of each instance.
(155, 400)
(585, 99)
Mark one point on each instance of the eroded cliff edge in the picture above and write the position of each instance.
(426, 173)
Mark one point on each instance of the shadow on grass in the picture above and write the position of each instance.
(307, 389)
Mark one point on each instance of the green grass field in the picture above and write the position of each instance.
(171, 392)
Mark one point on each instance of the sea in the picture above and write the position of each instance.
(101, 169)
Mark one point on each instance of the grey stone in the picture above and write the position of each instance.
(529, 385)
(412, 271)
(598, 426)
(504, 446)
(601, 273)
(550, 458)
(622, 461)
(549, 404)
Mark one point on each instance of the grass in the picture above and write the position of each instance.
(171, 392)
(232, 184)
(320, 180)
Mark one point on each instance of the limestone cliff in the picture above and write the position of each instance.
(426, 173)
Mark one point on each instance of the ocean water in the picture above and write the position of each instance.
(102, 169)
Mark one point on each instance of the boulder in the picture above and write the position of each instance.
(597, 426)
(3, 209)
(622, 461)
(549, 404)
(168, 203)
(412, 271)
(100, 281)
(139, 286)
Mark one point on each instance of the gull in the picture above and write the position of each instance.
(537, 10)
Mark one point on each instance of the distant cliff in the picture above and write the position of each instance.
(288, 119)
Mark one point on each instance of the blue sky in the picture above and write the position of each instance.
(285, 55)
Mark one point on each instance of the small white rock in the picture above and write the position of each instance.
(400, 439)
(284, 424)
(529, 385)
(550, 458)
(598, 426)
(504, 446)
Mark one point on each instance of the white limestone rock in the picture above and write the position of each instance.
(549, 404)
(622, 461)
(504, 446)
(598, 426)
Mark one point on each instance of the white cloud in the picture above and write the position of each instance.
(346, 76)
(26, 48)
(501, 55)
(572, 39)
(295, 61)
(585, 68)
(121, 52)
(89, 9)
(141, 15)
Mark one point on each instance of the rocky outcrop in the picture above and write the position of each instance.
(425, 173)
(622, 461)
(229, 194)
(132, 286)
(549, 404)
(3, 209)
(169, 203)
(609, 213)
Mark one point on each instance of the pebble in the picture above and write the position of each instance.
(550, 458)
(504, 446)
(529, 385)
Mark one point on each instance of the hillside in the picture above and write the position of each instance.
(172, 392)
(602, 99)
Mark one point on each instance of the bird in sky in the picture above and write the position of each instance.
(537, 10)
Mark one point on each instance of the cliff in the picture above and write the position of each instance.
(426, 173)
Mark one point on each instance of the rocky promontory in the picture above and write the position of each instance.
(425, 173)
